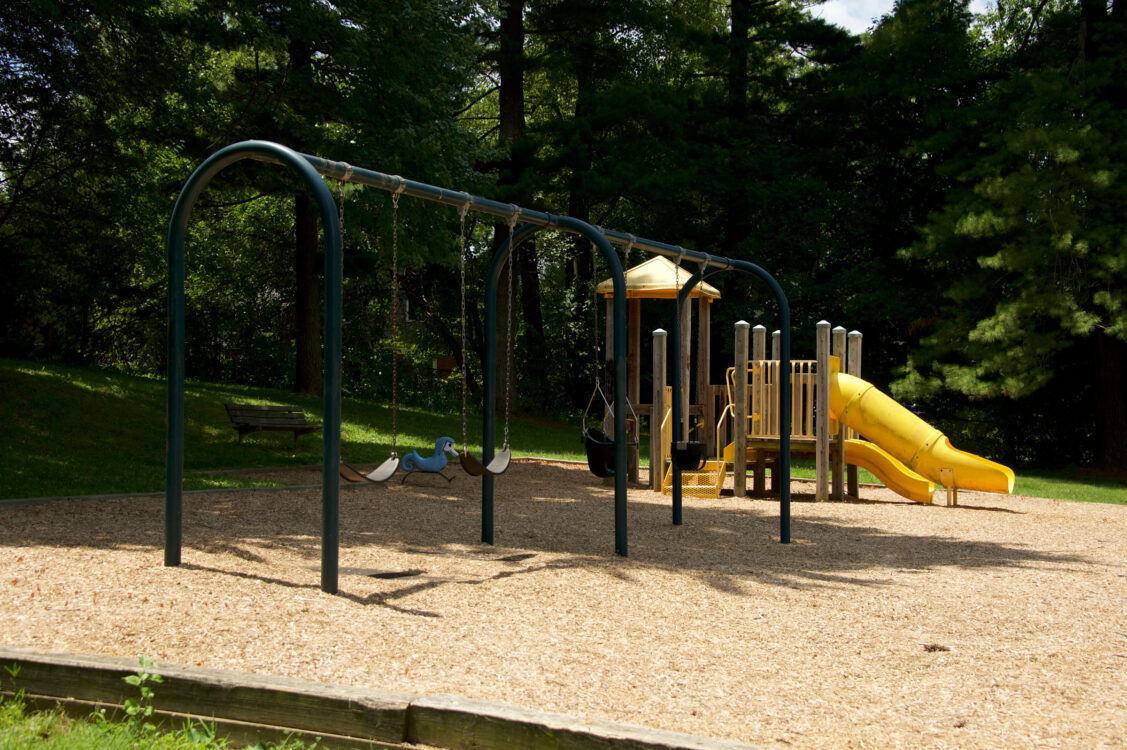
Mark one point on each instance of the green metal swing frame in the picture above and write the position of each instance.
(311, 170)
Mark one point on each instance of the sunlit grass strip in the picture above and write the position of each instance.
(78, 431)
(22, 727)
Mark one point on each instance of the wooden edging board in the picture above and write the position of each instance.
(244, 705)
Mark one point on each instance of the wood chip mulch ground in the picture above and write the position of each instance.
(998, 624)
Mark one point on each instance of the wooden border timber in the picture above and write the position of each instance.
(243, 704)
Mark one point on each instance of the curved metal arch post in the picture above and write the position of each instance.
(574, 226)
(489, 410)
(784, 385)
(174, 457)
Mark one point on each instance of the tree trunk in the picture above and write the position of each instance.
(535, 348)
(736, 224)
(511, 65)
(1111, 403)
(504, 318)
(1093, 15)
(307, 309)
(307, 313)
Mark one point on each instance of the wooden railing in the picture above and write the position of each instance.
(763, 398)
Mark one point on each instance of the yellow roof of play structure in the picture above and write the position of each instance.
(657, 278)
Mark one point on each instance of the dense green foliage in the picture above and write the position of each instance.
(952, 186)
(1030, 242)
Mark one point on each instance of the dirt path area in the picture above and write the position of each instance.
(1000, 623)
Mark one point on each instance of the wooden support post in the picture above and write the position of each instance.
(761, 461)
(608, 365)
(739, 413)
(853, 367)
(947, 479)
(657, 412)
(685, 361)
(822, 413)
(634, 351)
(633, 379)
(706, 422)
(837, 460)
(608, 350)
(760, 400)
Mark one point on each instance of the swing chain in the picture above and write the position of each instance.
(677, 281)
(395, 314)
(677, 310)
(462, 267)
(509, 323)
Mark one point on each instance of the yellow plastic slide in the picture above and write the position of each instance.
(909, 439)
(895, 475)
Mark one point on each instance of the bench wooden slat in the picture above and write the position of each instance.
(279, 421)
(247, 418)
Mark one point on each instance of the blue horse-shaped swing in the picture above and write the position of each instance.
(432, 464)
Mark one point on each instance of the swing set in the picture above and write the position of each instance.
(469, 463)
(312, 170)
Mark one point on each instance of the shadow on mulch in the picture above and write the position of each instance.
(547, 509)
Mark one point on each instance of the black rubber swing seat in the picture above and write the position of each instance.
(381, 473)
(600, 451)
(497, 465)
(690, 455)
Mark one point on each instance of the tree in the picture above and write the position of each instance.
(1031, 247)
(290, 80)
(873, 120)
(112, 104)
(78, 164)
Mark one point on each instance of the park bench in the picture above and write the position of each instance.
(248, 418)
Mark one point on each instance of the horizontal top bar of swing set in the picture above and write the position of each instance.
(345, 172)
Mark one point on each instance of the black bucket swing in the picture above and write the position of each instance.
(599, 445)
(689, 455)
(500, 462)
(384, 471)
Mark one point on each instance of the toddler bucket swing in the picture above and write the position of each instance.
(599, 445)
(384, 471)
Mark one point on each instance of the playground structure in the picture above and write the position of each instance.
(835, 416)
(312, 170)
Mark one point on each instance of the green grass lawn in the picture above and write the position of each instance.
(74, 431)
(22, 727)
(1071, 484)
(80, 431)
